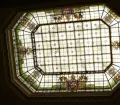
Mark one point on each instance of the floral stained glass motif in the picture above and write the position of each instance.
(68, 13)
(116, 45)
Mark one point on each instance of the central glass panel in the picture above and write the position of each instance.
(73, 47)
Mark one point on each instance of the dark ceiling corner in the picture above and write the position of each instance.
(10, 95)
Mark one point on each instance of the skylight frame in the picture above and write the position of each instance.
(63, 74)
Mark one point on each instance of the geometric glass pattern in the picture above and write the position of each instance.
(68, 49)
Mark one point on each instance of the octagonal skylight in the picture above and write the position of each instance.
(68, 49)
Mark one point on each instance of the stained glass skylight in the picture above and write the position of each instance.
(72, 49)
